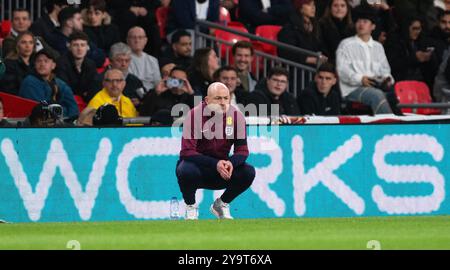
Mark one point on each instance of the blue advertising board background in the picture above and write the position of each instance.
(302, 171)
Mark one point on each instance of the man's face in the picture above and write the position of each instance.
(25, 46)
(183, 47)
(114, 83)
(137, 40)
(95, 16)
(444, 24)
(77, 22)
(243, 59)
(21, 21)
(44, 65)
(78, 48)
(229, 78)
(121, 61)
(325, 81)
(364, 27)
(218, 100)
(277, 84)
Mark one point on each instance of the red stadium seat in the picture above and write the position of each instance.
(224, 16)
(413, 92)
(268, 32)
(162, 14)
(17, 107)
(80, 102)
(230, 37)
(5, 28)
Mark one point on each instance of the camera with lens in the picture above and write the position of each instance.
(54, 111)
(174, 83)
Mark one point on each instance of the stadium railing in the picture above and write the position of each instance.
(301, 75)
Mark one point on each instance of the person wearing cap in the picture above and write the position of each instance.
(112, 93)
(362, 66)
(209, 131)
(43, 85)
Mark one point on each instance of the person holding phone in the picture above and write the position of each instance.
(171, 90)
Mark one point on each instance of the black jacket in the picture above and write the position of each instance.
(16, 71)
(153, 103)
(333, 32)
(103, 36)
(261, 95)
(169, 57)
(252, 15)
(198, 82)
(85, 84)
(312, 102)
(43, 27)
(294, 34)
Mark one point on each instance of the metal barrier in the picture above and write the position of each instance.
(7, 6)
(300, 74)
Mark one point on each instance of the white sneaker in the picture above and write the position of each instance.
(191, 212)
(220, 209)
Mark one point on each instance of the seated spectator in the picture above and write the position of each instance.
(120, 56)
(3, 121)
(441, 35)
(107, 115)
(228, 75)
(183, 13)
(48, 22)
(130, 13)
(273, 91)
(362, 66)
(426, 8)
(253, 13)
(18, 64)
(70, 21)
(112, 93)
(180, 51)
(200, 74)
(411, 55)
(78, 71)
(21, 23)
(43, 85)
(98, 26)
(173, 90)
(45, 115)
(243, 53)
(143, 65)
(321, 97)
(302, 31)
(336, 25)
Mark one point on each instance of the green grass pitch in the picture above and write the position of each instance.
(241, 234)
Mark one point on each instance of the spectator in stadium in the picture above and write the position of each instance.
(43, 85)
(98, 26)
(441, 35)
(21, 23)
(143, 65)
(43, 115)
(253, 13)
(112, 93)
(48, 22)
(362, 66)
(3, 122)
(200, 74)
(336, 25)
(302, 31)
(78, 71)
(70, 20)
(321, 97)
(120, 55)
(228, 75)
(424, 8)
(180, 51)
(273, 91)
(183, 13)
(18, 64)
(243, 53)
(204, 164)
(172, 90)
(410, 54)
(131, 13)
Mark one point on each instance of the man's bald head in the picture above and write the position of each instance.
(137, 39)
(218, 97)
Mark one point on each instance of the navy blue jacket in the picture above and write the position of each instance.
(182, 14)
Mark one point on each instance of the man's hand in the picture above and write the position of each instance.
(368, 82)
(225, 169)
(161, 87)
(423, 56)
(187, 87)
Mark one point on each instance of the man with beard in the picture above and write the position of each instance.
(243, 52)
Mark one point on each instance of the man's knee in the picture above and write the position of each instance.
(187, 171)
(246, 174)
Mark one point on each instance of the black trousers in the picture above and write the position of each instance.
(192, 177)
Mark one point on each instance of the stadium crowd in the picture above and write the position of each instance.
(114, 52)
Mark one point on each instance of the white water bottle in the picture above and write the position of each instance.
(174, 209)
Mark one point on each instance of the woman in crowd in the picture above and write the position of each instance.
(204, 64)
